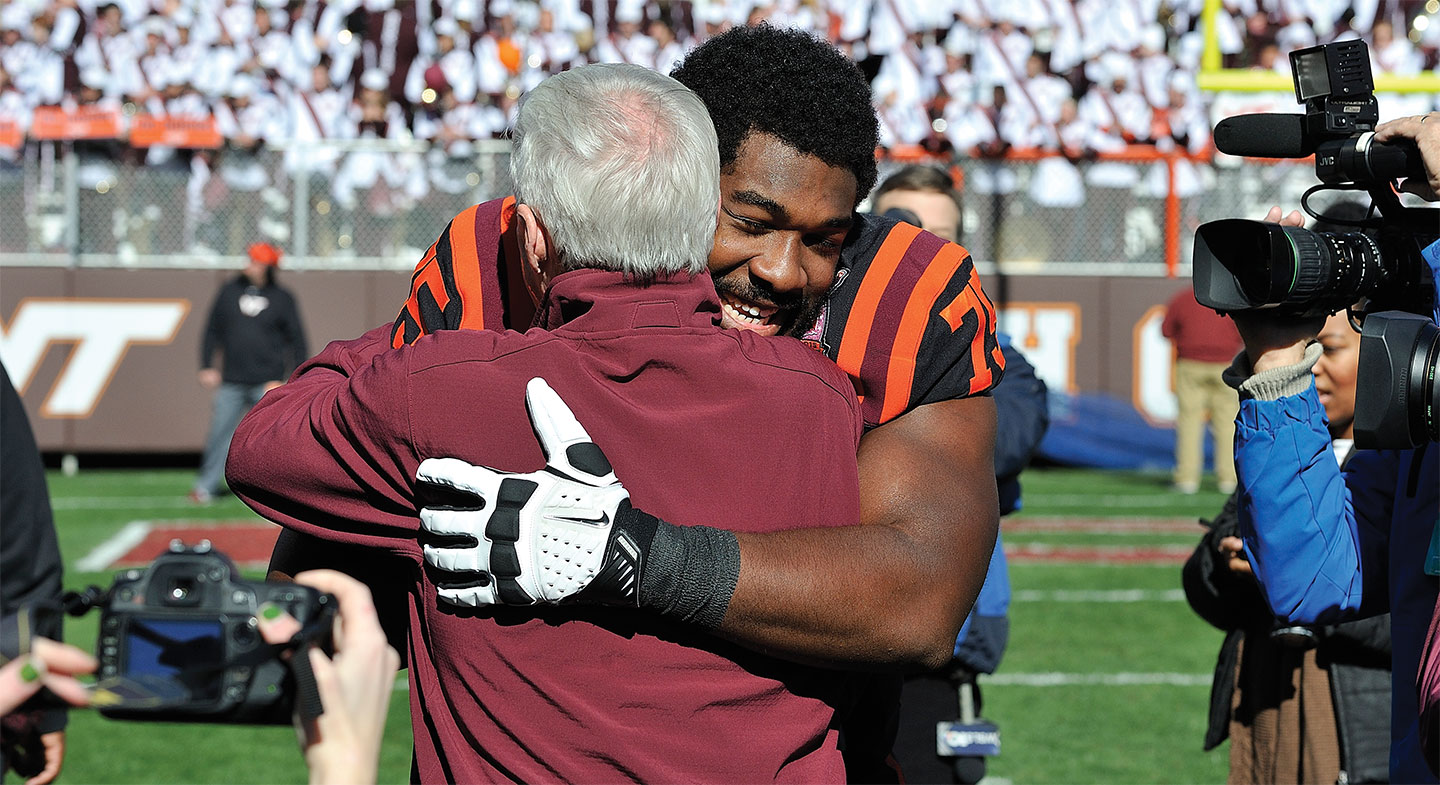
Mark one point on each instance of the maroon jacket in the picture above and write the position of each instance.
(703, 425)
(1199, 333)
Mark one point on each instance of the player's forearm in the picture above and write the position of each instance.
(857, 595)
(895, 589)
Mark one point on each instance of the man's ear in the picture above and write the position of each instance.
(534, 252)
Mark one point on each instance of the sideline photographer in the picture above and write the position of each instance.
(341, 746)
(1332, 545)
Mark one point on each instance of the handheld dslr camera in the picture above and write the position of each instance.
(1242, 265)
(179, 641)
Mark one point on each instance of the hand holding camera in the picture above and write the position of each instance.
(355, 684)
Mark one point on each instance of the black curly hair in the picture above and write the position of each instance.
(792, 85)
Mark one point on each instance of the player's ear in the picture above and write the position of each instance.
(534, 251)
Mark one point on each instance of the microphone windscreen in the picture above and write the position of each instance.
(1263, 136)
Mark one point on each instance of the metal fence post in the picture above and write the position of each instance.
(72, 204)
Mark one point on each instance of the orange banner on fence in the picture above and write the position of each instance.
(192, 131)
(10, 133)
(82, 122)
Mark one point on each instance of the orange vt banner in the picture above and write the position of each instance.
(83, 122)
(192, 131)
(10, 133)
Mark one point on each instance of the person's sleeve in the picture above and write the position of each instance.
(959, 354)
(1021, 414)
(295, 336)
(328, 455)
(1318, 540)
(452, 287)
(31, 571)
(1170, 325)
(211, 341)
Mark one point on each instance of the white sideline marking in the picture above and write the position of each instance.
(119, 502)
(1101, 679)
(402, 684)
(112, 549)
(1116, 595)
(1127, 500)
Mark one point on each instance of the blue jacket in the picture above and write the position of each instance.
(1021, 417)
(1335, 547)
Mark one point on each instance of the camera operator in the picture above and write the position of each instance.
(1324, 545)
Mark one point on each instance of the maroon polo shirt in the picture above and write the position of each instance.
(703, 425)
(1199, 333)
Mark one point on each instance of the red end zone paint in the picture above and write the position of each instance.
(248, 543)
(1118, 555)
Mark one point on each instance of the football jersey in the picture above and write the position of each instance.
(906, 319)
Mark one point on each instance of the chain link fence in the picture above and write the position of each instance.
(378, 205)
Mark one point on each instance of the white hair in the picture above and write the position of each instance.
(622, 165)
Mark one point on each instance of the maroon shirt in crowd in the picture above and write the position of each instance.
(1199, 333)
(703, 425)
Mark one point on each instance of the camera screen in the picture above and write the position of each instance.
(183, 651)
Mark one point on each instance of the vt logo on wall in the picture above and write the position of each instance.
(100, 331)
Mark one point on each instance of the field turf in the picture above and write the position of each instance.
(1106, 679)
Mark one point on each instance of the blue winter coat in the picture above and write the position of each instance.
(1333, 547)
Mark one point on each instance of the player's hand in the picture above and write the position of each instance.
(1275, 339)
(543, 537)
(209, 378)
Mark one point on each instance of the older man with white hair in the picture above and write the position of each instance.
(617, 180)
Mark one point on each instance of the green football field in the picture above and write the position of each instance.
(1106, 678)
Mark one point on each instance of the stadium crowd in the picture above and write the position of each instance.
(968, 75)
(292, 85)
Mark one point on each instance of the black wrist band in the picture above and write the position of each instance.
(689, 572)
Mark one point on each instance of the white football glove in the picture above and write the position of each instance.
(539, 537)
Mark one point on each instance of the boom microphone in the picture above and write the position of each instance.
(1264, 136)
(1358, 158)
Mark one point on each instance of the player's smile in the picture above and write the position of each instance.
(783, 217)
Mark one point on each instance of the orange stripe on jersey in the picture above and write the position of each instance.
(872, 287)
(427, 274)
(464, 262)
(900, 376)
(507, 214)
(974, 300)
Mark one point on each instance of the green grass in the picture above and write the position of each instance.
(1145, 732)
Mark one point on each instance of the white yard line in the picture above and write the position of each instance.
(120, 502)
(107, 552)
(1115, 595)
(1100, 679)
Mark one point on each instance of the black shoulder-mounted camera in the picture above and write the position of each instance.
(1242, 265)
(179, 641)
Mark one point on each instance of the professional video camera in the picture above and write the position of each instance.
(1242, 265)
(179, 642)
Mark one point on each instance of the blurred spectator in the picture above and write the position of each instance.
(254, 325)
(627, 44)
(455, 61)
(1205, 342)
(248, 118)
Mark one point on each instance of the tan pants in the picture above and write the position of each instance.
(1282, 719)
(1201, 394)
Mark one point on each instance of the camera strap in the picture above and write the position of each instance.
(307, 693)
